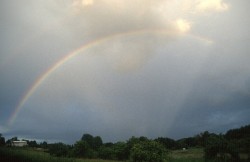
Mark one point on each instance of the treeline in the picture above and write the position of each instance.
(222, 146)
(136, 149)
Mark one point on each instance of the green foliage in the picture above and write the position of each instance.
(214, 146)
(218, 147)
(88, 146)
(121, 151)
(44, 145)
(148, 151)
(240, 133)
(14, 139)
(59, 149)
(32, 144)
(32, 155)
(168, 143)
(134, 140)
(240, 138)
(117, 151)
(97, 142)
(93, 142)
(235, 144)
(88, 138)
(2, 140)
(81, 149)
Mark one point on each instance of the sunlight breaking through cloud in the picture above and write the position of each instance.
(211, 5)
(183, 25)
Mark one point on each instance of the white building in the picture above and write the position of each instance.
(19, 143)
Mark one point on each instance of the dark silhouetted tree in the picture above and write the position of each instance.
(97, 143)
(44, 145)
(81, 149)
(59, 149)
(32, 143)
(89, 139)
(239, 133)
(217, 147)
(167, 142)
(121, 151)
(107, 152)
(2, 140)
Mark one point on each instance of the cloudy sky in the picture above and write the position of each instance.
(122, 68)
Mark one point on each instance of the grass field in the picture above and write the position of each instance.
(34, 155)
(190, 155)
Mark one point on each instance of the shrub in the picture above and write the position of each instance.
(59, 149)
(148, 151)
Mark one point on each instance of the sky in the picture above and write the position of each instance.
(122, 68)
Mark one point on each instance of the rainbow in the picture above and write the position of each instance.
(25, 97)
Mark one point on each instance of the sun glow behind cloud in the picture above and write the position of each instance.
(146, 14)
(211, 5)
(183, 25)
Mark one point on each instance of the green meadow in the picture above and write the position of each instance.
(39, 155)
(189, 155)
(35, 155)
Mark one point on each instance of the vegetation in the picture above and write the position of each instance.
(2, 140)
(234, 145)
(8, 154)
(188, 155)
(148, 151)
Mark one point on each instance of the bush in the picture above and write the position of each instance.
(82, 149)
(148, 151)
(106, 152)
(59, 149)
(219, 147)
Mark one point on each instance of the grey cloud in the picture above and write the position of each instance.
(149, 83)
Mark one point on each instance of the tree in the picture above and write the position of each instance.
(148, 151)
(97, 143)
(32, 143)
(44, 145)
(134, 140)
(93, 143)
(9, 141)
(59, 149)
(167, 142)
(107, 152)
(2, 140)
(219, 147)
(81, 149)
(215, 146)
(117, 151)
(240, 133)
(121, 150)
(89, 139)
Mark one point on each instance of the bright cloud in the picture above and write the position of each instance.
(87, 2)
(183, 25)
(211, 5)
